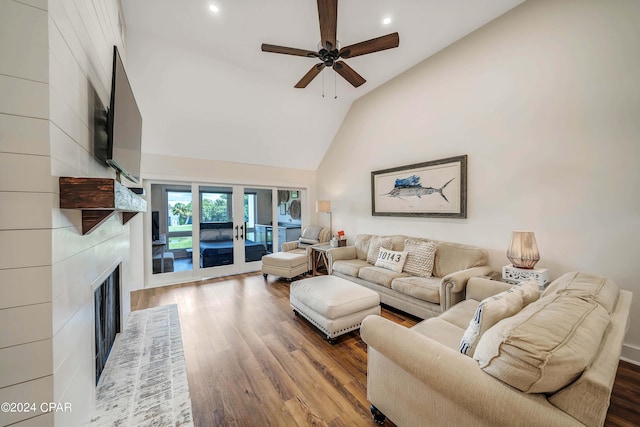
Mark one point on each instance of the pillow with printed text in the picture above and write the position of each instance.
(391, 260)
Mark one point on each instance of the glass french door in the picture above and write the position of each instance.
(210, 230)
(231, 235)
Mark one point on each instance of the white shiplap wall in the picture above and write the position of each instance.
(51, 53)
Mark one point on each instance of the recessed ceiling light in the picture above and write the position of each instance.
(386, 21)
(213, 8)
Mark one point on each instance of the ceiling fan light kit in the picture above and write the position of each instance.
(329, 50)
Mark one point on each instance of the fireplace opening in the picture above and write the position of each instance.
(106, 300)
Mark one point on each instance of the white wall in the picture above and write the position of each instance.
(26, 200)
(544, 101)
(50, 52)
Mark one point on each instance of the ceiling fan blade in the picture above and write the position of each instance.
(288, 50)
(348, 73)
(311, 74)
(374, 45)
(328, 17)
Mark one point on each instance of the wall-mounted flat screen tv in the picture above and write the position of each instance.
(124, 124)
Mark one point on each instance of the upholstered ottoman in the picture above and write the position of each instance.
(285, 264)
(334, 305)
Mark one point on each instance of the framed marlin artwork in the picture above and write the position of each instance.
(430, 189)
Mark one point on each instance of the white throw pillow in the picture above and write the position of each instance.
(391, 260)
(490, 311)
(420, 257)
(374, 247)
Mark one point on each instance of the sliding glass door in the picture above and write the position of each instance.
(210, 230)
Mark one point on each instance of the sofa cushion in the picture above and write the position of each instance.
(452, 257)
(424, 288)
(440, 330)
(546, 346)
(460, 314)
(489, 312)
(379, 275)
(584, 285)
(362, 245)
(391, 260)
(420, 257)
(376, 243)
(349, 267)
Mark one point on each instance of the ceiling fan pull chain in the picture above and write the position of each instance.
(335, 86)
(323, 85)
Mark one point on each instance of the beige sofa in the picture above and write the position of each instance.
(565, 359)
(424, 297)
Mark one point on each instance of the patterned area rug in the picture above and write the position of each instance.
(144, 382)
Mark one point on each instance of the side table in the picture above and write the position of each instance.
(515, 275)
(319, 258)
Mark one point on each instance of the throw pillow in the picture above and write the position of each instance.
(391, 260)
(374, 247)
(489, 312)
(420, 257)
(312, 232)
(530, 292)
(546, 346)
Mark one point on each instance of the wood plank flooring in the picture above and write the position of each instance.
(250, 361)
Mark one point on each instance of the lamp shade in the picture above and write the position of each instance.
(323, 206)
(523, 251)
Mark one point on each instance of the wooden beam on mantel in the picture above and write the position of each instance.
(99, 198)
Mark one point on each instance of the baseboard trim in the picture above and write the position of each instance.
(630, 354)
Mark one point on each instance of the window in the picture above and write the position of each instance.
(179, 220)
(215, 207)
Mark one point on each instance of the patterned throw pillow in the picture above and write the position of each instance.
(391, 260)
(489, 312)
(420, 257)
(374, 247)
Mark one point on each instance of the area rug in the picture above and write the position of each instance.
(144, 382)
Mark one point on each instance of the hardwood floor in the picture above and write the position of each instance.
(250, 361)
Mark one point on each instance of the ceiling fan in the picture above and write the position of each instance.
(329, 52)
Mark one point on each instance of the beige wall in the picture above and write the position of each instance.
(544, 101)
(50, 52)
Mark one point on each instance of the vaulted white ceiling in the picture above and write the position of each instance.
(206, 90)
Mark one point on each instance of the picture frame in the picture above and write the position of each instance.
(295, 194)
(435, 188)
(283, 209)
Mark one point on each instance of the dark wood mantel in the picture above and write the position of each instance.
(99, 198)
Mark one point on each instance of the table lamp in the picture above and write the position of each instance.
(523, 251)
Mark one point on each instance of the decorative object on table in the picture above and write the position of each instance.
(333, 242)
(523, 250)
(515, 275)
(342, 240)
(325, 206)
(431, 189)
